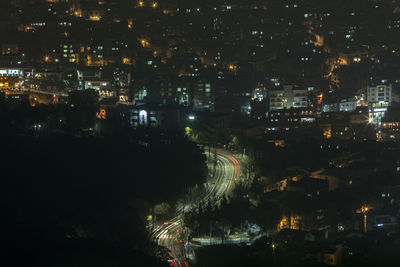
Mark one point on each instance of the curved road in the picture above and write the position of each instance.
(170, 235)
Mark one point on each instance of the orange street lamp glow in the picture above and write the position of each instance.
(94, 18)
(144, 43)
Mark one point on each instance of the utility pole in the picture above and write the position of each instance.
(153, 218)
(241, 230)
(190, 198)
(215, 162)
(210, 232)
(223, 234)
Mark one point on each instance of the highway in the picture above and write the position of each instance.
(171, 234)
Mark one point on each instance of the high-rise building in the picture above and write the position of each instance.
(379, 93)
(379, 98)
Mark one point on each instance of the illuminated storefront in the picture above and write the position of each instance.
(10, 78)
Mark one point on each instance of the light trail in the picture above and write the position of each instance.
(227, 171)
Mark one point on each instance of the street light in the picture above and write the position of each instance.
(364, 210)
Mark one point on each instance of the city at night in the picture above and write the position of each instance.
(200, 133)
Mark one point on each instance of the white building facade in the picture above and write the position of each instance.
(288, 97)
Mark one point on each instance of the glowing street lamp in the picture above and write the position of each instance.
(144, 43)
(364, 210)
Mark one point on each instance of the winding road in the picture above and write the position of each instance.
(171, 234)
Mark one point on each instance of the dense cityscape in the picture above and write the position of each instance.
(200, 133)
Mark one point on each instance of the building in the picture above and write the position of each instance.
(89, 74)
(359, 116)
(390, 131)
(170, 118)
(379, 98)
(185, 91)
(122, 83)
(103, 87)
(203, 96)
(288, 97)
(11, 78)
(348, 105)
(65, 53)
(377, 111)
(290, 119)
(344, 105)
(177, 90)
(46, 80)
(390, 126)
(330, 107)
(381, 93)
(9, 49)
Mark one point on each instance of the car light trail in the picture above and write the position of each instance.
(169, 233)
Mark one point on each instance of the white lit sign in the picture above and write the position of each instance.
(9, 72)
(379, 109)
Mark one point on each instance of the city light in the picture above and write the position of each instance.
(202, 127)
(144, 43)
(130, 24)
(94, 18)
(364, 210)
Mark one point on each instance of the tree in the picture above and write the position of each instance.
(225, 227)
(235, 142)
(89, 190)
(189, 133)
(162, 210)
